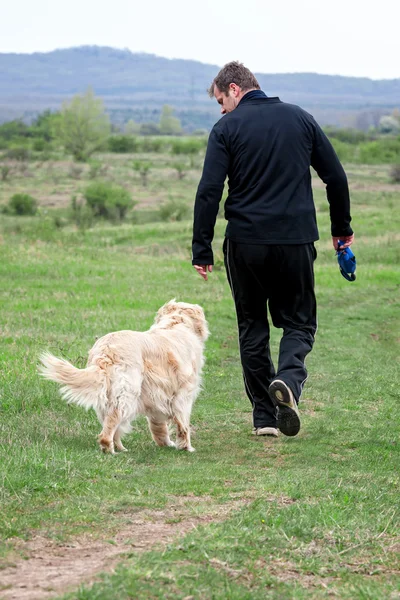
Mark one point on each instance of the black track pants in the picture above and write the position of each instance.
(281, 277)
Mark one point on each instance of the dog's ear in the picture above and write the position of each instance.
(196, 314)
(166, 309)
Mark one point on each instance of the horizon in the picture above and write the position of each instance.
(134, 52)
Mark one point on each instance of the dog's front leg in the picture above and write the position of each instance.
(159, 431)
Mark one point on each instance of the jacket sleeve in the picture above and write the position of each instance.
(326, 163)
(208, 197)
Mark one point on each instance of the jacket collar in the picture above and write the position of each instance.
(255, 96)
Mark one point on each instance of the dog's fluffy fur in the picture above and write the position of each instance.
(156, 373)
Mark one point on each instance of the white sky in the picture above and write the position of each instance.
(342, 37)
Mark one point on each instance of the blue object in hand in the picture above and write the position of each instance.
(347, 262)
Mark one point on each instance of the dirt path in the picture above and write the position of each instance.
(50, 568)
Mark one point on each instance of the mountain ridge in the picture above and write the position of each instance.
(137, 85)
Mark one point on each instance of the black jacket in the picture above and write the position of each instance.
(266, 148)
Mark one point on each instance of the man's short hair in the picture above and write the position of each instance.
(233, 72)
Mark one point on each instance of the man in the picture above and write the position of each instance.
(266, 148)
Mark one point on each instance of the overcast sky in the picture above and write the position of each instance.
(336, 37)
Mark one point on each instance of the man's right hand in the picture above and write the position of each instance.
(202, 270)
(348, 240)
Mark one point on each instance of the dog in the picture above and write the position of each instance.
(156, 373)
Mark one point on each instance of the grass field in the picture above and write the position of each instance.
(316, 516)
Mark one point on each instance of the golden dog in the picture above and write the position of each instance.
(156, 373)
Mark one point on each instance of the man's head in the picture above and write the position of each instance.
(230, 85)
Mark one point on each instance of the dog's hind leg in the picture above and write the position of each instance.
(110, 425)
(158, 425)
(182, 421)
(122, 429)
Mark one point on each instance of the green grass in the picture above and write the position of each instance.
(320, 512)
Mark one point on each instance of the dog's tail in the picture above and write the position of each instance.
(80, 386)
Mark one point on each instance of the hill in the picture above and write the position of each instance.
(137, 85)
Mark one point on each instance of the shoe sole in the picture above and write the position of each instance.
(288, 415)
(266, 431)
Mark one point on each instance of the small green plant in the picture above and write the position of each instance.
(108, 200)
(75, 171)
(174, 210)
(22, 204)
(395, 174)
(143, 169)
(95, 167)
(181, 169)
(81, 213)
(5, 171)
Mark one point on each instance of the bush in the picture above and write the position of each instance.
(143, 169)
(380, 151)
(22, 204)
(174, 210)
(152, 145)
(346, 152)
(347, 135)
(108, 200)
(395, 174)
(39, 144)
(190, 147)
(5, 171)
(181, 169)
(82, 214)
(18, 153)
(96, 169)
(123, 144)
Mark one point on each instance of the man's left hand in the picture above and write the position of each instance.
(202, 270)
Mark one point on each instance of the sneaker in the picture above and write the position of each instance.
(270, 431)
(288, 415)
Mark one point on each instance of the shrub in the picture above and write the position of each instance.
(5, 171)
(82, 214)
(108, 200)
(152, 145)
(181, 169)
(189, 147)
(22, 204)
(123, 143)
(174, 210)
(347, 135)
(18, 153)
(75, 171)
(346, 152)
(143, 168)
(39, 144)
(395, 174)
(380, 151)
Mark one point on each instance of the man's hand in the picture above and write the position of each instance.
(348, 240)
(202, 270)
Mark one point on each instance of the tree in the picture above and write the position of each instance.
(389, 124)
(169, 125)
(83, 126)
(45, 125)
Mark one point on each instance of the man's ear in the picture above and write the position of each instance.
(235, 89)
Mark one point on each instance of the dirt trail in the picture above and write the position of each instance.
(52, 568)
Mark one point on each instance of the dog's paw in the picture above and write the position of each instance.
(190, 449)
(121, 448)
